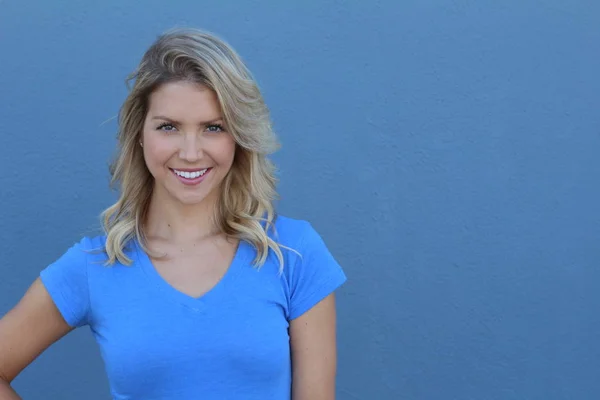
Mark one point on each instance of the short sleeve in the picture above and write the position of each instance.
(67, 283)
(315, 275)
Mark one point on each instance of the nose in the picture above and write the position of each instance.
(191, 149)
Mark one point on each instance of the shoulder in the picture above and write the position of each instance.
(311, 272)
(67, 283)
(303, 244)
(77, 257)
(294, 233)
(89, 243)
(87, 250)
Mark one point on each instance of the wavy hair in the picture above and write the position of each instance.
(245, 210)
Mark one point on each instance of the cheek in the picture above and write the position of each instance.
(228, 150)
(156, 153)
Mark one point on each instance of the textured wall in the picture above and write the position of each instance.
(446, 150)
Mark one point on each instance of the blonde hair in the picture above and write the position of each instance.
(245, 210)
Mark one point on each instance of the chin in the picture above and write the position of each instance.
(191, 200)
(188, 196)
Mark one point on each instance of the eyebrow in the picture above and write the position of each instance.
(175, 122)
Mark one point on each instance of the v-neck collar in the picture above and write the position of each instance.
(220, 289)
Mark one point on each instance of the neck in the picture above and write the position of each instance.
(172, 221)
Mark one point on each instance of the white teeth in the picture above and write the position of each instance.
(191, 175)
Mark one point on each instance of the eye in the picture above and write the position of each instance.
(167, 127)
(215, 128)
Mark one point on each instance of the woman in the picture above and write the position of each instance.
(197, 290)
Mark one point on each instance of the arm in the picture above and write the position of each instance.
(314, 353)
(6, 392)
(25, 332)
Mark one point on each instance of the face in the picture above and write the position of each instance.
(186, 145)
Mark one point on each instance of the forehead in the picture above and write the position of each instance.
(184, 101)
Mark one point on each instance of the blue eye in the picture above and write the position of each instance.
(215, 128)
(167, 127)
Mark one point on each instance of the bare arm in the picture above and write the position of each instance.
(25, 332)
(314, 352)
(7, 393)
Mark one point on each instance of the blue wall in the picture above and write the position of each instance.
(446, 150)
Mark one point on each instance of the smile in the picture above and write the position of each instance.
(190, 174)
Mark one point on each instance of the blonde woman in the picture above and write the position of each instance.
(197, 290)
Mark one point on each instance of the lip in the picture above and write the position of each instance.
(188, 169)
(189, 181)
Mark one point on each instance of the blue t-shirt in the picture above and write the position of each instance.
(231, 343)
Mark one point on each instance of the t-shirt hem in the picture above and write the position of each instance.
(316, 297)
(59, 300)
